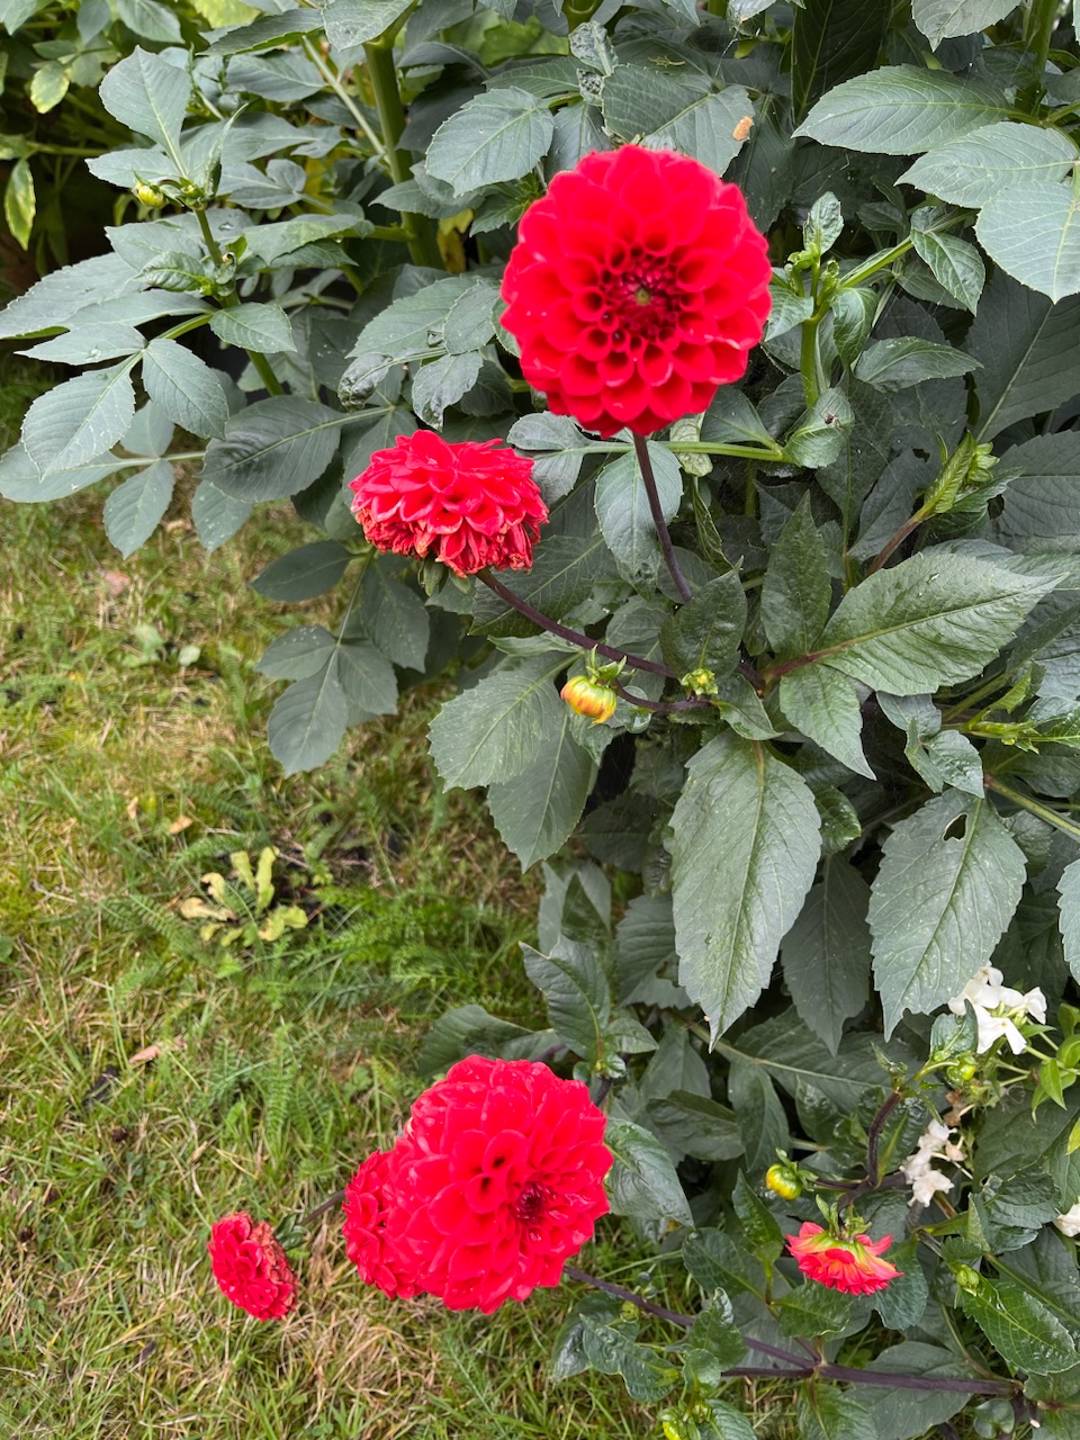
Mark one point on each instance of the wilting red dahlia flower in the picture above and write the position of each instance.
(853, 1266)
(368, 1206)
(471, 504)
(496, 1182)
(638, 285)
(250, 1266)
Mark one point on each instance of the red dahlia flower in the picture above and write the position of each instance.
(637, 287)
(250, 1267)
(497, 1181)
(471, 504)
(368, 1206)
(853, 1266)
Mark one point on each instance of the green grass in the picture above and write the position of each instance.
(153, 1080)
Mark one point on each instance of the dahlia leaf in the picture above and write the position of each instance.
(135, 508)
(535, 813)
(971, 170)
(942, 19)
(1033, 232)
(254, 326)
(1028, 352)
(903, 110)
(761, 1121)
(494, 731)
(825, 1412)
(611, 1351)
(826, 953)
(898, 364)
(274, 448)
(725, 1422)
(1068, 888)
(216, 516)
(746, 840)
(690, 1124)
(471, 1030)
(565, 570)
(21, 480)
(394, 617)
(941, 901)
(622, 508)
(705, 633)
(560, 449)
(832, 40)
(929, 621)
(303, 573)
(353, 22)
(644, 945)
(75, 422)
(819, 435)
(714, 1343)
(825, 706)
(300, 652)
(367, 678)
(308, 721)
(643, 1182)
(811, 1309)
(575, 990)
(956, 265)
(903, 1413)
(796, 591)
(498, 135)
(680, 111)
(185, 388)
(149, 95)
(405, 328)
(1027, 1334)
(716, 1262)
(441, 383)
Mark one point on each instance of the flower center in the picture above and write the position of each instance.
(642, 301)
(529, 1205)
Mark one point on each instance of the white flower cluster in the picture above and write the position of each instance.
(997, 1009)
(917, 1169)
(1069, 1223)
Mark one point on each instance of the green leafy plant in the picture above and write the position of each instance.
(243, 913)
(836, 611)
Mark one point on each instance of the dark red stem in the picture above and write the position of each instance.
(641, 449)
(575, 637)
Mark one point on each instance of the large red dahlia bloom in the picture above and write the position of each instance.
(638, 285)
(497, 1181)
(250, 1266)
(471, 504)
(369, 1209)
(854, 1266)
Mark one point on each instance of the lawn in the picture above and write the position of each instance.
(154, 1079)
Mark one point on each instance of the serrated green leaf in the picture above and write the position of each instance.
(714, 1343)
(536, 812)
(680, 110)
(704, 634)
(20, 201)
(575, 990)
(185, 388)
(956, 265)
(1027, 1334)
(135, 508)
(353, 22)
(826, 953)
(300, 652)
(971, 170)
(898, 364)
(643, 1182)
(812, 1309)
(1033, 232)
(274, 448)
(824, 705)
(612, 1352)
(492, 732)
(303, 573)
(830, 41)
(498, 135)
(903, 110)
(940, 19)
(1068, 888)
(254, 326)
(825, 1412)
(1027, 348)
(929, 621)
(75, 422)
(49, 86)
(903, 1413)
(622, 509)
(216, 516)
(148, 95)
(941, 902)
(796, 592)
(308, 721)
(745, 845)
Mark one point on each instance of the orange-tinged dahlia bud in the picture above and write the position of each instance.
(782, 1180)
(585, 697)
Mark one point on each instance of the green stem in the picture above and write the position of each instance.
(1039, 23)
(1033, 807)
(420, 237)
(775, 456)
(988, 687)
(333, 79)
(810, 359)
(258, 359)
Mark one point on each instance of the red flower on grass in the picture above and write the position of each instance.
(854, 1266)
(470, 505)
(368, 1207)
(637, 287)
(497, 1181)
(250, 1266)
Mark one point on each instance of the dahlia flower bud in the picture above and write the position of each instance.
(783, 1180)
(638, 285)
(250, 1267)
(852, 1265)
(586, 697)
(148, 195)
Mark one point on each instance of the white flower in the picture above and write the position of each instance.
(934, 1144)
(1069, 1223)
(998, 1008)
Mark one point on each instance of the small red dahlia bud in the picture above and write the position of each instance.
(250, 1266)
(584, 697)
(853, 1265)
(638, 285)
(469, 505)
